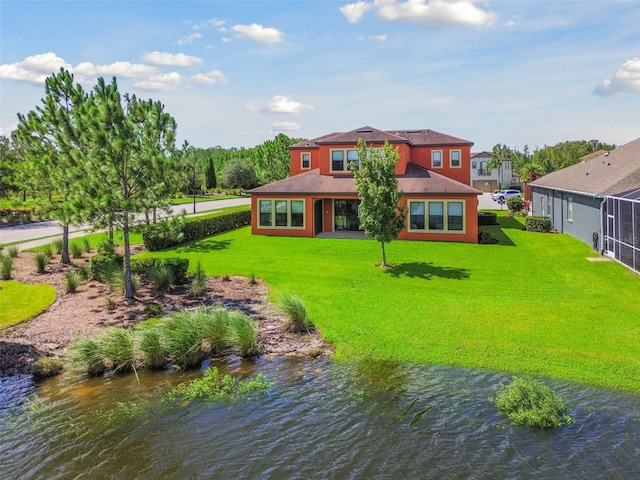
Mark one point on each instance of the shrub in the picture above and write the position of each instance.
(487, 218)
(57, 246)
(107, 247)
(47, 367)
(515, 204)
(6, 266)
(110, 303)
(146, 266)
(297, 313)
(226, 278)
(113, 351)
(13, 251)
(42, 259)
(71, 281)
(76, 249)
(198, 284)
(84, 272)
(51, 249)
(239, 173)
(153, 310)
(529, 402)
(162, 278)
(537, 223)
(484, 237)
(156, 236)
(103, 265)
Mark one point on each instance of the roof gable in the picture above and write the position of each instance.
(611, 173)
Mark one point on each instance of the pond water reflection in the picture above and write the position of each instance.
(322, 419)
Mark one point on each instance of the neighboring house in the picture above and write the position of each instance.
(597, 201)
(320, 196)
(487, 180)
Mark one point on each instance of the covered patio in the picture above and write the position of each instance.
(622, 229)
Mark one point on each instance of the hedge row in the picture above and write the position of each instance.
(487, 218)
(538, 224)
(169, 234)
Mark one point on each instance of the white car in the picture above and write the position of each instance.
(503, 195)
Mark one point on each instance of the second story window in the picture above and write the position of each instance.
(474, 165)
(305, 160)
(436, 159)
(341, 159)
(455, 158)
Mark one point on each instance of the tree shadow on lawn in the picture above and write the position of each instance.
(209, 245)
(498, 231)
(426, 271)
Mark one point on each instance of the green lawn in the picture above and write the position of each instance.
(20, 302)
(531, 304)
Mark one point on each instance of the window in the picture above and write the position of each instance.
(342, 159)
(473, 165)
(281, 213)
(436, 158)
(454, 216)
(454, 157)
(305, 160)
(436, 216)
(416, 215)
(569, 209)
(265, 213)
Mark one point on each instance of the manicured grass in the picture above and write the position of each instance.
(135, 237)
(531, 304)
(20, 302)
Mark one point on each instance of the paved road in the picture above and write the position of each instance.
(33, 233)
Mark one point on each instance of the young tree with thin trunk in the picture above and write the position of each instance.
(48, 135)
(129, 152)
(380, 212)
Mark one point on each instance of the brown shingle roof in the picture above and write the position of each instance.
(609, 174)
(419, 137)
(416, 180)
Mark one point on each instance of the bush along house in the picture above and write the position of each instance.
(320, 197)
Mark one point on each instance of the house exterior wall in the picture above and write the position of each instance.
(571, 213)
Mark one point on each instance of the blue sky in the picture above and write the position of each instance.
(236, 73)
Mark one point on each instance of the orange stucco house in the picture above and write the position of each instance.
(320, 196)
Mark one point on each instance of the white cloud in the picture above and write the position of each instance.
(162, 82)
(209, 78)
(252, 106)
(625, 80)
(225, 39)
(378, 38)
(282, 104)
(353, 12)
(436, 13)
(33, 69)
(214, 22)
(189, 39)
(164, 59)
(284, 127)
(118, 69)
(257, 33)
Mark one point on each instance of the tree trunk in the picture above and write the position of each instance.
(128, 288)
(384, 256)
(65, 245)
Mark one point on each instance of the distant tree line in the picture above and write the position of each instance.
(542, 161)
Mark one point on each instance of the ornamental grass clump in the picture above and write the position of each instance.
(46, 367)
(113, 351)
(13, 251)
(76, 249)
(162, 278)
(71, 281)
(297, 312)
(41, 260)
(198, 285)
(150, 345)
(6, 266)
(529, 402)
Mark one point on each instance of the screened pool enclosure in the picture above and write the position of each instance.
(622, 229)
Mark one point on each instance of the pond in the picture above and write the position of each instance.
(321, 419)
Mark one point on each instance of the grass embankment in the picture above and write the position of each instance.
(531, 304)
(20, 302)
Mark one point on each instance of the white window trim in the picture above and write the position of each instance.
(441, 156)
(451, 165)
(302, 154)
(445, 215)
(273, 225)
